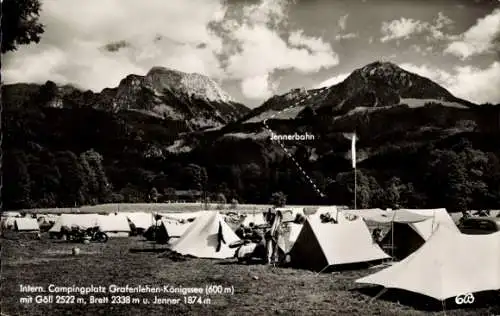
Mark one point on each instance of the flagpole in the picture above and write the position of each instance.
(354, 165)
(355, 187)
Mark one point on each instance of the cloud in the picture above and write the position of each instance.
(404, 28)
(163, 33)
(339, 37)
(343, 21)
(481, 38)
(466, 82)
(258, 87)
(262, 50)
(96, 44)
(332, 81)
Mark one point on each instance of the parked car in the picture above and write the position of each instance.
(480, 225)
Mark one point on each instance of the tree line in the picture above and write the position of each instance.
(458, 178)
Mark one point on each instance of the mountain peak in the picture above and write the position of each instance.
(191, 84)
(382, 70)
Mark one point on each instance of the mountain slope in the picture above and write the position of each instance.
(162, 92)
(418, 146)
(376, 85)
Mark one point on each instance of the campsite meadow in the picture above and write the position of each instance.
(258, 289)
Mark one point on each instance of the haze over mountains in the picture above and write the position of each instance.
(170, 129)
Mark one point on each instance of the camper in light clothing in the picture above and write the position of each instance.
(272, 236)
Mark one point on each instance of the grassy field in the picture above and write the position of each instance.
(258, 289)
(156, 207)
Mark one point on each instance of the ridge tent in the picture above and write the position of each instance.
(168, 228)
(26, 224)
(405, 237)
(447, 265)
(81, 220)
(209, 236)
(141, 220)
(115, 225)
(321, 245)
(439, 216)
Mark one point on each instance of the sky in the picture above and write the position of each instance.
(257, 48)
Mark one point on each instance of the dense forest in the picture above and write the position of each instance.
(71, 157)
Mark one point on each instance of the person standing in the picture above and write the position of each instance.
(272, 238)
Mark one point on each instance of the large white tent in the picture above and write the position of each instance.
(26, 224)
(320, 245)
(173, 228)
(208, 236)
(447, 265)
(142, 220)
(438, 217)
(80, 220)
(411, 228)
(113, 225)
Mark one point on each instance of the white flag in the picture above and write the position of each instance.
(353, 150)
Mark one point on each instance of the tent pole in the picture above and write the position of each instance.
(443, 303)
(378, 295)
(322, 270)
(392, 236)
(433, 220)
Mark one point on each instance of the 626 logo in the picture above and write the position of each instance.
(464, 299)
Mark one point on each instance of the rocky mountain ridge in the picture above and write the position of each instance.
(163, 92)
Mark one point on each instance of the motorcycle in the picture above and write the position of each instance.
(76, 234)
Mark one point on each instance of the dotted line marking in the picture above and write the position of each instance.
(288, 108)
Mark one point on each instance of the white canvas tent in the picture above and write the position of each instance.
(141, 220)
(26, 224)
(447, 265)
(81, 220)
(437, 216)
(113, 225)
(208, 236)
(173, 228)
(321, 245)
(411, 228)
